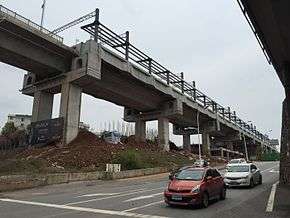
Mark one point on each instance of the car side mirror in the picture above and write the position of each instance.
(208, 178)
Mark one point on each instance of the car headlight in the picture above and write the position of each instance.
(196, 189)
(246, 177)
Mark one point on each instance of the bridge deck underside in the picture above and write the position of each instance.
(271, 21)
(32, 50)
(123, 89)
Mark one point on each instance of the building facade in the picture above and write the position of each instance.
(20, 121)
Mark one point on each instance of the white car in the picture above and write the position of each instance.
(236, 161)
(245, 174)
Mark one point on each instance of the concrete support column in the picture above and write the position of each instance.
(222, 153)
(140, 130)
(186, 142)
(206, 144)
(163, 133)
(42, 106)
(70, 108)
(230, 146)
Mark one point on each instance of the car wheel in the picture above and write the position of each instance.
(252, 183)
(260, 180)
(205, 200)
(223, 193)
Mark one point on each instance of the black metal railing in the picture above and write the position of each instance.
(122, 45)
(5, 12)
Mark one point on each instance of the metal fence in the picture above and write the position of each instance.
(5, 12)
(122, 45)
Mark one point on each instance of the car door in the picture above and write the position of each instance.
(218, 182)
(210, 183)
(254, 171)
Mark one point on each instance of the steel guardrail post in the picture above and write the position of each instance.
(97, 22)
(127, 44)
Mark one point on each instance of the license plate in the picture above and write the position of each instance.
(176, 197)
(234, 183)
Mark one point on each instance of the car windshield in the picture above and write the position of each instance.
(189, 174)
(240, 168)
(234, 161)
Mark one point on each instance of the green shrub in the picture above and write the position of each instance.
(270, 156)
(129, 160)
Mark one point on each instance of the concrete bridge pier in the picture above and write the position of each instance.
(206, 143)
(185, 132)
(163, 133)
(42, 106)
(140, 130)
(186, 142)
(70, 108)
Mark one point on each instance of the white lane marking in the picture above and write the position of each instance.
(274, 171)
(39, 193)
(98, 194)
(143, 197)
(108, 194)
(82, 209)
(143, 206)
(271, 168)
(115, 196)
(271, 200)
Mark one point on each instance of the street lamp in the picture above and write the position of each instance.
(198, 136)
(42, 13)
(246, 149)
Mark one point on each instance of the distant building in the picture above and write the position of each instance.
(20, 121)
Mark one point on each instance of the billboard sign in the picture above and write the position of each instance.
(46, 131)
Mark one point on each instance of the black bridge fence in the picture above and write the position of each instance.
(121, 44)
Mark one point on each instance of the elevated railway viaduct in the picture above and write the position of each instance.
(109, 67)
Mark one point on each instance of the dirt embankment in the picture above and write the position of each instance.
(89, 153)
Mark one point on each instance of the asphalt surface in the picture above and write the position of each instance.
(137, 197)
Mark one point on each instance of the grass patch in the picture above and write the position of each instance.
(19, 166)
(141, 159)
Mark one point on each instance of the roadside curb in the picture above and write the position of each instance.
(17, 182)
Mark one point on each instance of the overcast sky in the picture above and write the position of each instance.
(210, 41)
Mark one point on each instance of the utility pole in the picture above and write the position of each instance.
(42, 13)
(198, 135)
(246, 149)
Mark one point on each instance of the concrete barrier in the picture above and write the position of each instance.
(16, 182)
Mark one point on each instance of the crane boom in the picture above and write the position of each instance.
(75, 22)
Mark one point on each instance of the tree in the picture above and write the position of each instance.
(8, 129)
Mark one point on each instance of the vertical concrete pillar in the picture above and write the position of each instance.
(206, 144)
(230, 146)
(222, 153)
(228, 155)
(163, 133)
(140, 131)
(186, 142)
(42, 106)
(70, 108)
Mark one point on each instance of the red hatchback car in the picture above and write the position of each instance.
(195, 186)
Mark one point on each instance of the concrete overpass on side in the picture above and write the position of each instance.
(111, 68)
(270, 22)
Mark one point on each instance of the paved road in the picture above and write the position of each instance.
(138, 197)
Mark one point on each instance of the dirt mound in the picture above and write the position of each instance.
(88, 152)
